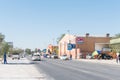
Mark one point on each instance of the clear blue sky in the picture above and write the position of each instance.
(37, 23)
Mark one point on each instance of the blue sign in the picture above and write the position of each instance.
(73, 45)
(69, 46)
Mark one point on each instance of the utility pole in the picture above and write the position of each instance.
(69, 35)
(69, 42)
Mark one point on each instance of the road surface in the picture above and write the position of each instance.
(78, 70)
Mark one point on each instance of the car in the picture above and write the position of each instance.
(48, 56)
(54, 56)
(105, 56)
(36, 57)
(45, 55)
(15, 56)
(64, 57)
(88, 56)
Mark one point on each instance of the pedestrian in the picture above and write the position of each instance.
(70, 56)
(117, 57)
(5, 58)
(80, 55)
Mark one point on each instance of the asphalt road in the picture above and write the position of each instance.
(78, 70)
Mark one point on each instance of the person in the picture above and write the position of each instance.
(117, 57)
(49, 52)
(5, 58)
(70, 56)
(79, 55)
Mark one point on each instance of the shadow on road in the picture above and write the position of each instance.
(20, 63)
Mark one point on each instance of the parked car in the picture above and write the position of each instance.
(104, 56)
(54, 56)
(45, 55)
(64, 57)
(36, 57)
(48, 56)
(15, 56)
(88, 56)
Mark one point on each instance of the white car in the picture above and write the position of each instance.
(15, 56)
(36, 57)
(64, 57)
(88, 56)
(54, 56)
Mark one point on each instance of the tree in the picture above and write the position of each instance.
(15, 50)
(2, 37)
(59, 38)
(117, 35)
(28, 51)
(4, 48)
(1, 44)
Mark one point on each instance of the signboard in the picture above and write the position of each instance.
(79, 40)
(71, 46)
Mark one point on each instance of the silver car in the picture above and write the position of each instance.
(36, 57)
(64, 57)
(15, 56)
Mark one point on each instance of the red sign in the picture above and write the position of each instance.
(79, 40)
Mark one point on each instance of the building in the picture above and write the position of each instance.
(52, 49)
(83, 44)
(115, 44)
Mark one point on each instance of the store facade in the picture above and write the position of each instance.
(82, 45)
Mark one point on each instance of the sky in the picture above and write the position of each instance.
(38, 23)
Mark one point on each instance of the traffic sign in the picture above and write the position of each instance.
(69, 46)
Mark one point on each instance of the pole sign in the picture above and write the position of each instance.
(73, 46)
(69, 46)
(79, 40)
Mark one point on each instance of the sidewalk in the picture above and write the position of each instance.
(111, 62)
(20, 70)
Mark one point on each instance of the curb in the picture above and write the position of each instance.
(113, 62)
